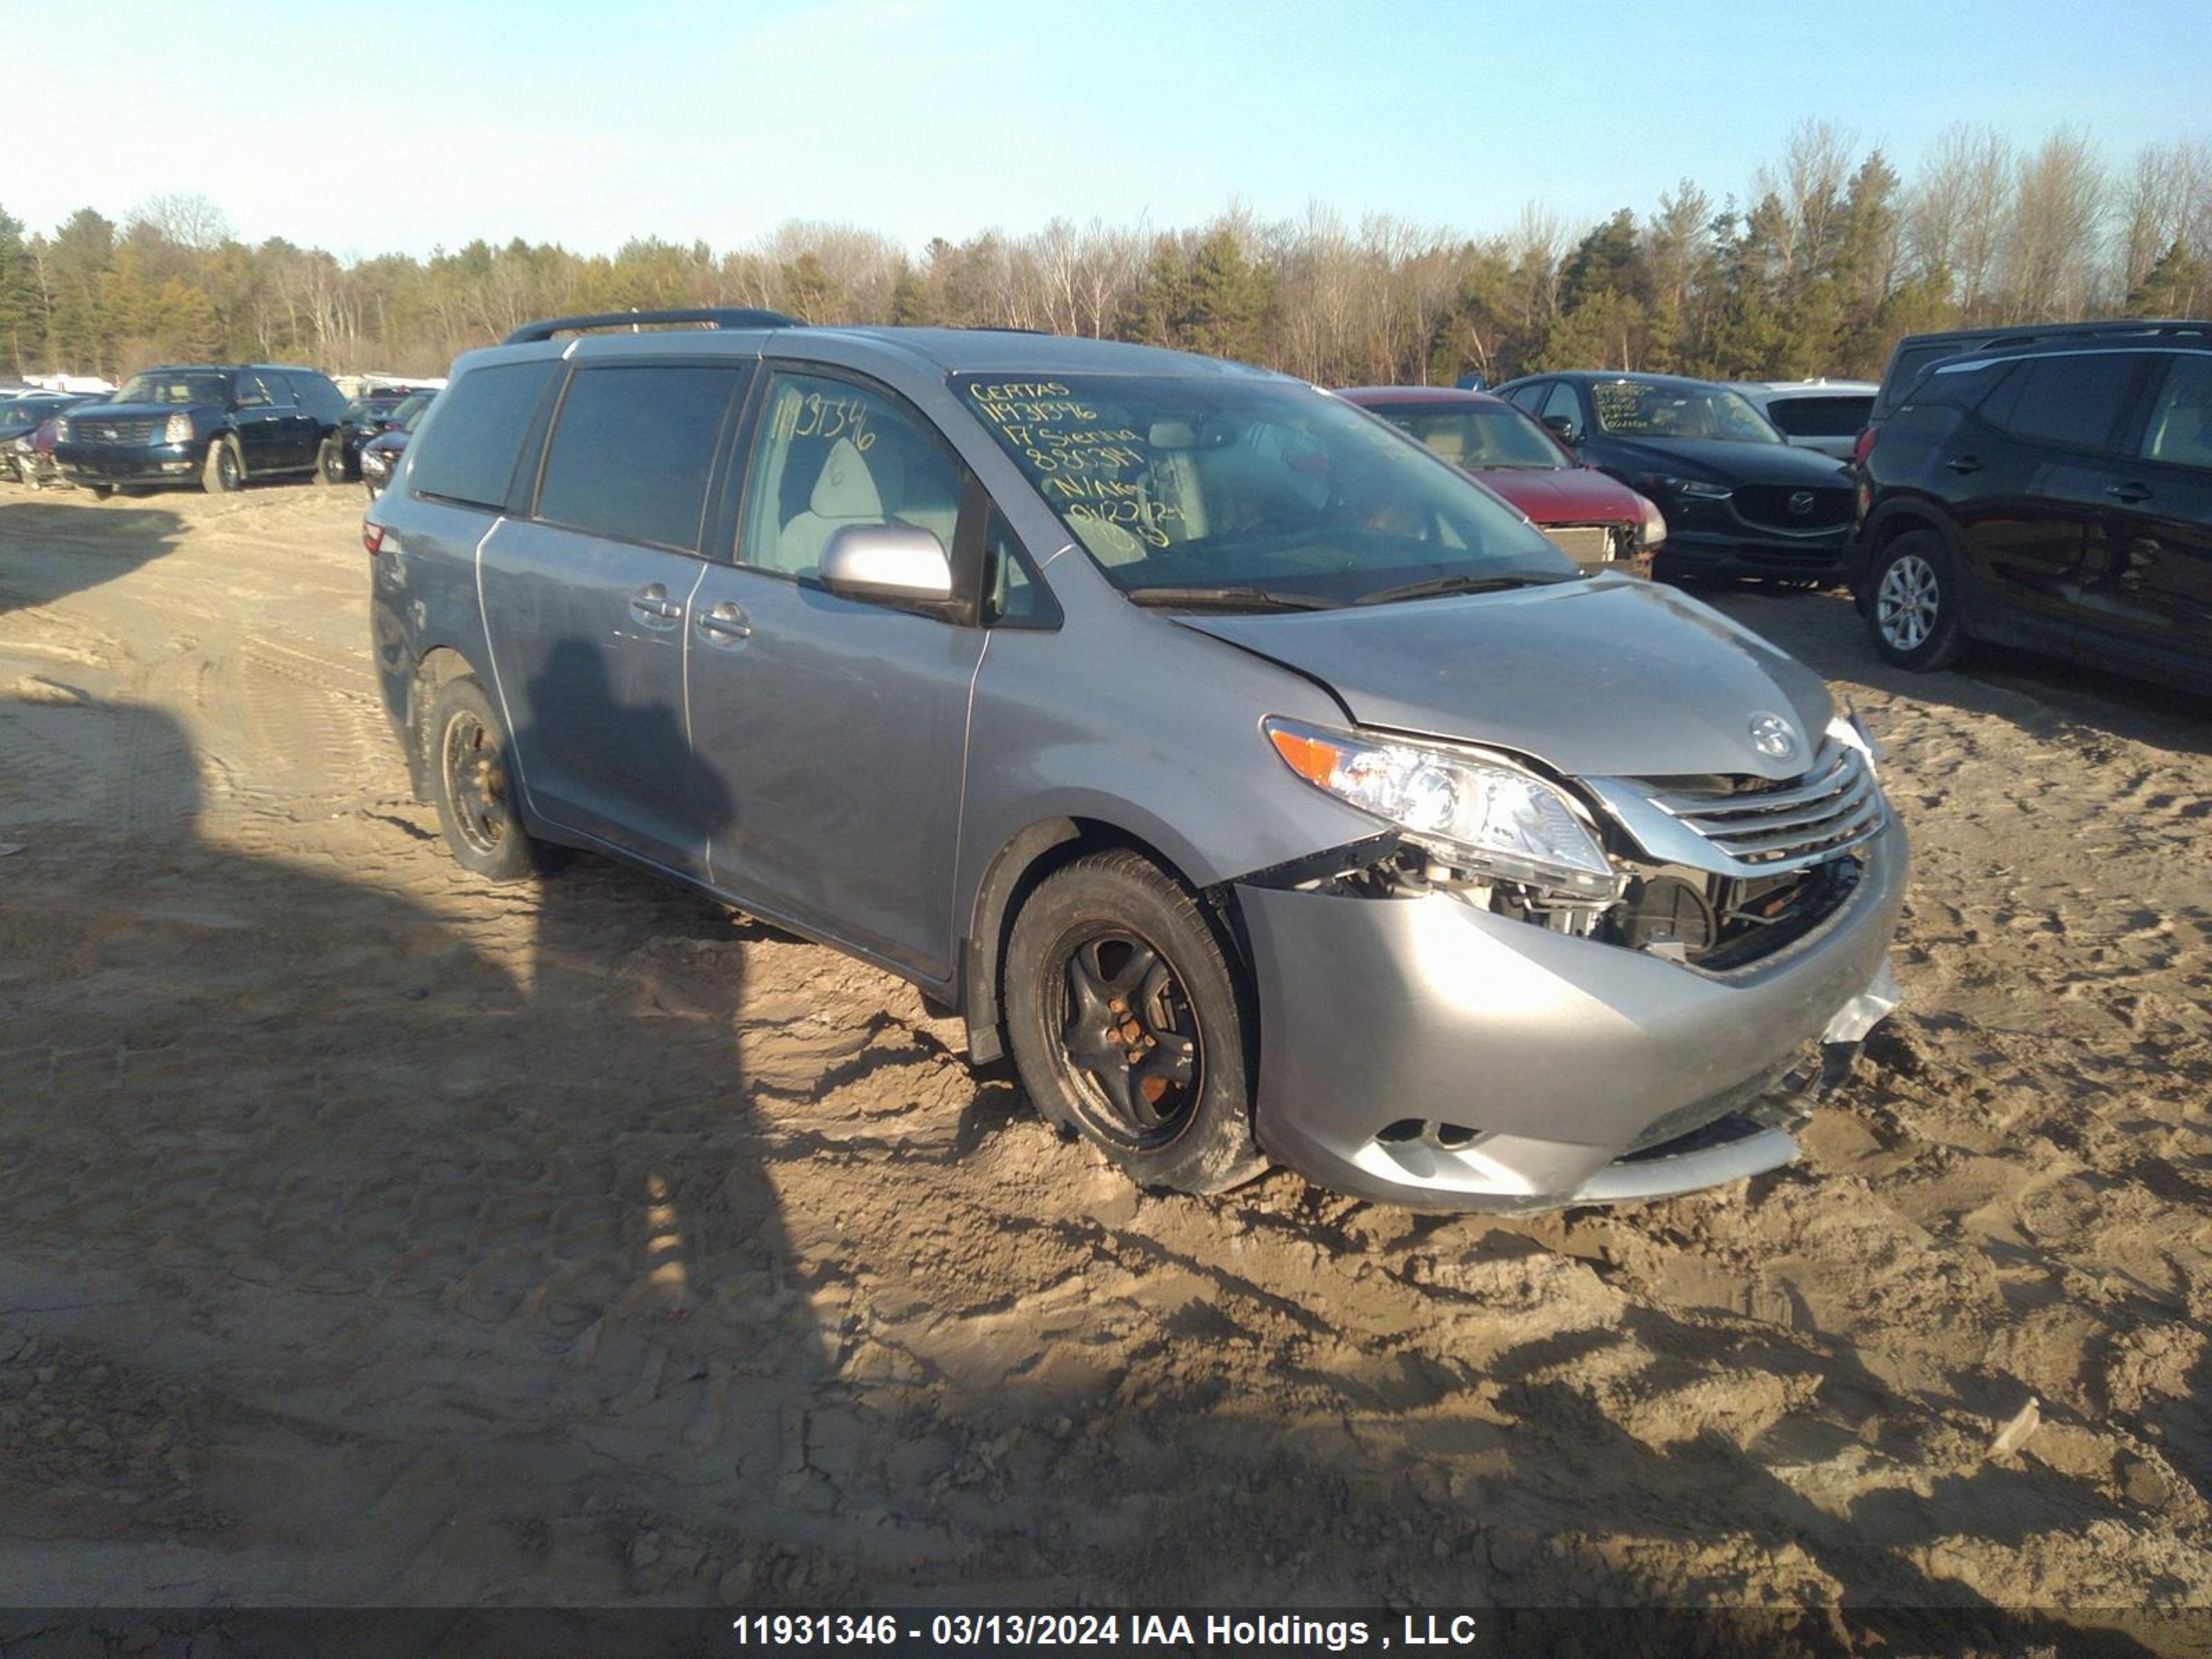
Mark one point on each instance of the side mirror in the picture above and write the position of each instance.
(887, 562)
(1563, 428)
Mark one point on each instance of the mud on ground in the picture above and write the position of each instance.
(373, 1234)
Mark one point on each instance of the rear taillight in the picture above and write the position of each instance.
(372, 536)
(1865, 446)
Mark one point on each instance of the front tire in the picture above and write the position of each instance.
(472, 784)
(330, 462)
(1130, 1024)
(1912, 614)
(223, 473)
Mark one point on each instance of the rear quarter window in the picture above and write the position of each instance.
(468, 454)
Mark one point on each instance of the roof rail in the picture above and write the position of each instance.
(720, 316)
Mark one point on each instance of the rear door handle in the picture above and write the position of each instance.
(2129, 493)
(1964, 464)
(726, 624)
(655, 608)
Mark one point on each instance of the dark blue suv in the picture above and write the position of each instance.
(217, 425)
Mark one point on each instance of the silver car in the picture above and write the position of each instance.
(1265, 788)
(1823, 415)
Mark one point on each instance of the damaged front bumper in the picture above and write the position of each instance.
(1424, 1052)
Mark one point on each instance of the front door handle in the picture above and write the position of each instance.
(2129, 493)
(1964, 464)
(654, 606)
(726, 624)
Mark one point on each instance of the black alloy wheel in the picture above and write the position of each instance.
(1129, 1041)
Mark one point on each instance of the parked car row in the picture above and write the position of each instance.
(218, 426)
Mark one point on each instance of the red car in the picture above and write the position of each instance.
(1595, 520)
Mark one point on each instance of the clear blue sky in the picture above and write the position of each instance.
(588, 124)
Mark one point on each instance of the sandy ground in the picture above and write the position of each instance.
(372, 1235)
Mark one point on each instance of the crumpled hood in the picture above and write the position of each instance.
(1723, 462)
(1573, 494)
(1604, 678)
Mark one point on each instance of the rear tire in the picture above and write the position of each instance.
(1912, 610)
(472, 784)
(1111, 957)
(330, 462)
(223, 473)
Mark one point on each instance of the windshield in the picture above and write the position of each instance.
(169, 387)
(1477, 434)
(409, 411)
(1233, 490)
(1658, 409)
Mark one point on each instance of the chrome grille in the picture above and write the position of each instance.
(123, 429)
(1833, 806)
(1588, 544)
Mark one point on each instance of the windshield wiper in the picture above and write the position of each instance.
(1459, 583)
(1243, 598)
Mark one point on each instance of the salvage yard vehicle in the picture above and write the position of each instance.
(1263, 785)
(1825, 416)
(21, 420)
(1593, 520)
(381, 453)
(1740, 499)
(219, 425)
(2055, 494)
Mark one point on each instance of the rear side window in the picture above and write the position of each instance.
(2180, 428)
(473, 445)
(1820, 418)
(632, 451)
(2073, 400)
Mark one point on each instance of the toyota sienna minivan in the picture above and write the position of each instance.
(1265, 788)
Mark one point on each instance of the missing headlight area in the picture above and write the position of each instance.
(1681, 913)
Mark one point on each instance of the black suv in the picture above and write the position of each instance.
(219, 424)
(2056, 495)
(1739, 498)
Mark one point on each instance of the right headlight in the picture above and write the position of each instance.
(1695, 489)
(1482, 813)
(179, 430)
(62, 430)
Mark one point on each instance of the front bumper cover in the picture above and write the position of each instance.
(1561, 1056)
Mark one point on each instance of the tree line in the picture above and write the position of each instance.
(1824, 262)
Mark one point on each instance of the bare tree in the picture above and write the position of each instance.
(2052, 245)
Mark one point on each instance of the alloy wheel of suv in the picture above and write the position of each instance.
(223, 471)
(1914, 617)
(1128, 1024)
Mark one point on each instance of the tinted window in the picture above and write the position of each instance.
(253, 393)
(1820, 417)
(469, 452)
(1563, 405)
(831, 453)
(2181, 429)
(1528, 396)
(632, 449)
(2072, 400)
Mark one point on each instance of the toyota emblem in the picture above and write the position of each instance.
(1773, 737)
(1800, 502)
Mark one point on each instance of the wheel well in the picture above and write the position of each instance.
(1904, 524)
(436, 667)
(1023, 863)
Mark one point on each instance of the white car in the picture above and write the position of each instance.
(1826, 416)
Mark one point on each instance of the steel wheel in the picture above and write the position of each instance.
(475, 783)
(1129, 1039)
(1908, 602)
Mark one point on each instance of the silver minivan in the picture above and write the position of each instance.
(1264, 787)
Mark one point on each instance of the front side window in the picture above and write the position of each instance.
(2181, 429)
(1481, 435)
(1563, 407)
(158, 386)
(633, 448)
(830, 453)
(1235, 491)
(2074, 401)
(1656, 408)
